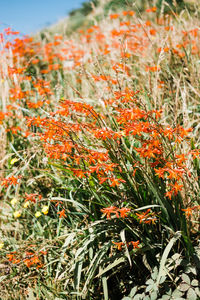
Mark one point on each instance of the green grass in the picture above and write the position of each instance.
(106, 119)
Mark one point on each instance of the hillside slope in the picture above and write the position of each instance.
(92, 11)
(100, 159)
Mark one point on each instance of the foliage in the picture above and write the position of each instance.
(171, 286)
(100, 165)
(92, 12)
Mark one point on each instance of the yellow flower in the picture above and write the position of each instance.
(14, 201)
(1, 245)
(13, 161)
(45, 210)
(17, 214)
(26, 204)
(38, 214)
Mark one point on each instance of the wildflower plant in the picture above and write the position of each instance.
(102, 171)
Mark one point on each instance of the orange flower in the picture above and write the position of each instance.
(30, 197)
(153, 68)
(128, 13)
(61, 213)
(12, 258)
(176, 187)
(32, 260)
(110, 210)
(189, 211)
(147, 217)
(134, 244)
(169, 194)
(116, 181)
(160, 172)
(148, 23)
(10, 180)
(114, 16)
(151, 9)
(123, 212)
(119, 245)
(142, 217)
(152, 31)
(15, 261)
(43, 252)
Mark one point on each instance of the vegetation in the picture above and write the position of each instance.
(99, 179)
(95, 11)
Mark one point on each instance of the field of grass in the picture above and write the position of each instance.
(100, 156)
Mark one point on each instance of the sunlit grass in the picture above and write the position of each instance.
(100, 157)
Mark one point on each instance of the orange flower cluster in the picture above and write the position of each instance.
(61, 141)
(147, 217)
(115, 138)
(62, 54)
(11, 257)
(119, 245)
(32, 197)
(12, 180)
(32, 259)
(2, 116)
(190, 210)
(61, 213)
(119, 212)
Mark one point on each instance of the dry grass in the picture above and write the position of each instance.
(157, 59)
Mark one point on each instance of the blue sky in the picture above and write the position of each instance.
(28, 16)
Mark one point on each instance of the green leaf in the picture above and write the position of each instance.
(197, 291)
(123, 238)
(149, 282)
(154, 296)
(169, 292)
(76, 203)
(13, 148)
(133, 291)
(77, 274)
(146, 207)
(67, 242)
(194, 282)
(183, 287)
(139, 297)
(177, 294)
(81, 250)
(165, 255)
(155, 273)
(105, 288)
(165, 297)
(176, 256)
(191, 294)
(185, 278)
(191, 270)
(162, 279)
(149, 288)
(111, 266)
(166, 207)
(94, 265)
